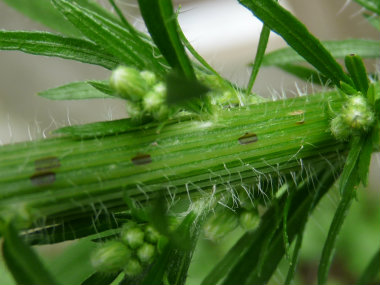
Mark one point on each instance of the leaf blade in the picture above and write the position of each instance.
(298, 37)
(47, 44)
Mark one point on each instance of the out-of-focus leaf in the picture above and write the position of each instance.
(298, 37)
(306, 73)
(161, 22)
(338, 49)
(21, 260)
(78, 91)
(374, 20)
(73, 265)
(365, 159)
(43, 43)
(371, 274)
(100, 278)
(356, 68)
(371, 5)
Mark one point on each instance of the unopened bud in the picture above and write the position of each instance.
(133, 267)
(149, 77)
(249, 219)
(151, 234)
(133, 237)
(128, 83)
(112, 256)
(357, 113)
(146, 252)
(220, 224)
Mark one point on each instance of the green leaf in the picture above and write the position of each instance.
(294, 261)
(264, 36)
(297, 36)
(21, 260)
(338, 49)
(161, 22)
(348, 180)
(371, 5)
(374, 20)
(365, 159)
(351, 163)
(73, 265)
(174, 261)
(370, 274)
(43, 43)
(306, 74)
(128, 48)
(356, 69)
(44, 12)
(78, 91)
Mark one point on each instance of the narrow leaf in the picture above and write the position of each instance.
(306, 74)
(264, 36)
(43, 43)
(351, 163)
(374, 20)
(128, 48)
(98, 129)
(371, 5)
(338, 49)
(161, 22)
(22, 261)
(294, 261)
(356, 68)
(365, 159)
(370, 274)
(297, 36)
(78, 91)
(100, 278)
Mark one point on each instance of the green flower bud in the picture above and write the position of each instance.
(133, 267)
(133, 237)
(339, 128)
(128, 83)
(151, 235)
(357, 113)
(146, 253)
(112, 256)
(155, 98)
(249, 220)
(149, 77)
(219, 224)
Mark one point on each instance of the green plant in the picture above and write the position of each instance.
(195, 145)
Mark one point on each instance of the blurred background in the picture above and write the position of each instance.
(226, 34)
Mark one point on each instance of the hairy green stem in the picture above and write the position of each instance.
(235, 150)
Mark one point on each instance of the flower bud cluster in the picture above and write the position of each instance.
(134, 249)
(357, 116)
(145, 94)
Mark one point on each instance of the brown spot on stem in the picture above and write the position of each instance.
(141, 159)
(43, 179)
(248, 138)
(46, 163)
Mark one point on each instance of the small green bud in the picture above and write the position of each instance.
(133, 267)
(146, 253)
(149, 77)
(339, 128)
(357, 113)
(151, 234)
(155, 98)
(220, 224)
(133, 237)
(128, 83)
(249, 220)
(112, 256)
